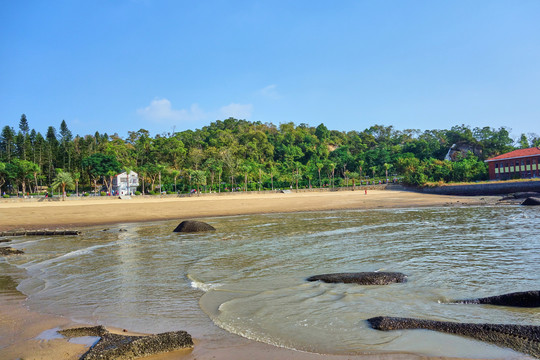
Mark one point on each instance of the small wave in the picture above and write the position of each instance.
(70, 254)
(196, 284)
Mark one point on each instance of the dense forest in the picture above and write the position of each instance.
(238, 154)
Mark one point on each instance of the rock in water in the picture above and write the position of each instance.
(10, 251)
(531, 201)
(522, 338)
(125, 347)
(362, 278)
(528, 299)
(193, 226)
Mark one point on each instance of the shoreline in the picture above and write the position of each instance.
(33, 215)
(19, 325)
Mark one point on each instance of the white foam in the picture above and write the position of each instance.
(196, 284)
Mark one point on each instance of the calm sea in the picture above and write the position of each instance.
(248, 277)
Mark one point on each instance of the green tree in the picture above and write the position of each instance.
(3, 175)
(199, 178)
(524, 142)
(23, 125)
(7, 138)
(22, 171)
(63, 180)
(101, 166)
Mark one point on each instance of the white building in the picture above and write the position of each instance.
(120, 183)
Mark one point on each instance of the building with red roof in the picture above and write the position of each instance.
(517, 164)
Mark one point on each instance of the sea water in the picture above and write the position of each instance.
(248, 277)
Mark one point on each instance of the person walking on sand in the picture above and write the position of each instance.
(365, 193)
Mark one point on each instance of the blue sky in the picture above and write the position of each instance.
(119, 66)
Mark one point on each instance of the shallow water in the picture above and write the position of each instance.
(249, 276)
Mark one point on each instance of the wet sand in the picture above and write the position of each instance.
(20, 326)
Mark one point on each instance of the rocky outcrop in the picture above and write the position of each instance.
(522, 338)
(126, 347)
(361, 278)
(527, 299)
(526, 194)
(10, 251)
(84, 331)
(189, 226)
(531, 201)
(461, 149)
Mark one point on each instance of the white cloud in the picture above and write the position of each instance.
(239, 111)
(161, 110)
(270, 91)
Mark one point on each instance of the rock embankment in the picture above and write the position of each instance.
(361, 278)
(527, 299)
(522, 338)
(126, 347)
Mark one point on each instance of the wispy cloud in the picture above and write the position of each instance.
(161, 110)
(270, 92)
(239, 111)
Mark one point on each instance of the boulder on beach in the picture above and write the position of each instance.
(517, 299)
(531, 201)
(361, 278)
(124, 347)
(10, 251)
(522, 338)
(193, 226)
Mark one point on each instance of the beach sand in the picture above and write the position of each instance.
(20, 326)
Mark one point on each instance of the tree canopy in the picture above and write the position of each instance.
(230, 154)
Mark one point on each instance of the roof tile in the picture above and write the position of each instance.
(517, 154)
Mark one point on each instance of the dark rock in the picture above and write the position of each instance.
(523, 195)
(122, 230)
(531, 201)
(527, 299)
(85, 331)
(193, 226)
(5, 240)
(362, 278)
(522, 338)
(124, 347)
(10, 251)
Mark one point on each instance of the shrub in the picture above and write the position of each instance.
(103, 193)
(137, 192)
(86, 194)
(5, 196)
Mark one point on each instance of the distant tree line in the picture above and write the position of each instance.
(242, 155)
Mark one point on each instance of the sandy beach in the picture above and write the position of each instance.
(71, 214)
(20, 326)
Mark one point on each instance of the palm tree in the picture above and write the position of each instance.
(64, 180)
(333, 168)
(373, 169)
(386, 167)
(361, 164)
(319, 167)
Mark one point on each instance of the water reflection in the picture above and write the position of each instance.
(249, 276)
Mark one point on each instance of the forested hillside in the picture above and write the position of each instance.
(239, 154)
